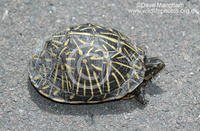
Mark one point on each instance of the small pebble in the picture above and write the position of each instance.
(21, 111)
(27, 1)
(191, 73)
(53, 8)
(58, 20)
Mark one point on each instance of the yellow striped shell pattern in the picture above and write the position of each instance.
(87, 63)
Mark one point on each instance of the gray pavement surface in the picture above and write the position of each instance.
(174, 95)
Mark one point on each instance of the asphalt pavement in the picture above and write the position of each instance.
(169, 30)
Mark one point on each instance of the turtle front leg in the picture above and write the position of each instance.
(138, 93)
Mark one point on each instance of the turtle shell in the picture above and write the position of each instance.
(87, 63)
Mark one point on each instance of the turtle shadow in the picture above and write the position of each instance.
(112, 107)
(153, 89)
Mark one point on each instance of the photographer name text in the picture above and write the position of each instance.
(159, 5)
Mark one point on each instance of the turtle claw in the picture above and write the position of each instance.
(140, 98)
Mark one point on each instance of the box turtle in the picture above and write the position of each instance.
(89, 63)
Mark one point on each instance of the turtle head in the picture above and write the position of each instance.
(153, 66)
